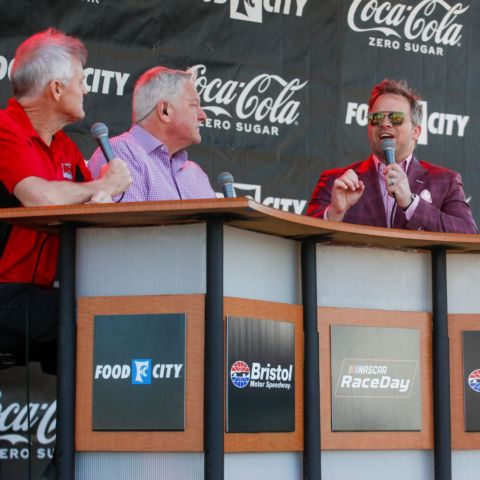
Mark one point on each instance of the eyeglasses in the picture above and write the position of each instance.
(376, 118)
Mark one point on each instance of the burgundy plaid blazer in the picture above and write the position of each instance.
(442, 206)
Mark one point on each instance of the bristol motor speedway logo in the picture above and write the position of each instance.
(474, 380)
(427, 27)
(252, 10)
(141, 371)
(433, 123)
(376, 378)
(261, 376)
(259, 106)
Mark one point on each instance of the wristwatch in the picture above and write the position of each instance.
(413, 196)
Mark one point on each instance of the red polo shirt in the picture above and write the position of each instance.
(24, 154)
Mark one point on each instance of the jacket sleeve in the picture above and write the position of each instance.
(448, 210)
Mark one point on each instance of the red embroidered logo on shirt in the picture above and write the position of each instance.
(67, 171)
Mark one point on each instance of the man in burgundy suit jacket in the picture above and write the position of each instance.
(407, 194)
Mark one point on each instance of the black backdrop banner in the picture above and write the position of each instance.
(284, 82)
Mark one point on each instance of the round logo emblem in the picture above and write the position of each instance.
(474, 380)
(240, 374)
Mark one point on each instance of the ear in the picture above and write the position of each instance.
(56, 89)
(163, 110)
(417, 130)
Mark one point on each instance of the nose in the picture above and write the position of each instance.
(386, 120)
(202, 116)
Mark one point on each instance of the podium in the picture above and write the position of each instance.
(211, 259)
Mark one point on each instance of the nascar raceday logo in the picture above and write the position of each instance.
(261, 376)
(376, 378)
(140, 371)
(474, 380)
(240, 374)
(252, 10)
(425, 27)
(260, 105)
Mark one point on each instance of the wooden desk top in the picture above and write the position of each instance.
(241, 213)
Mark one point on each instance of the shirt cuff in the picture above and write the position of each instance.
(325, 216)
(412, 207)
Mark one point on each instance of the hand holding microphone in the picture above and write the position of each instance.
(397, 181)
(99, 131)
(115, 173)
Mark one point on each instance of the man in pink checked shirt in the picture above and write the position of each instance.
(407, 194)
(166, 115)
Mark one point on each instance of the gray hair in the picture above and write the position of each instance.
(399, 87)
(156, 84)
(44, 57)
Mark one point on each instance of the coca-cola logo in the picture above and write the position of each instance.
(266, 98)
(14, 422)
(413, 27)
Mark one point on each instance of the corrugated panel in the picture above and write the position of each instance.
(463, 283)
(141, 261)
(373, 278)
(465, 464)
(261, 267)
(377, 465)
(263, 466)
(138, 466)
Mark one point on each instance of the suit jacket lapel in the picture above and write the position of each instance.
(374, 207)
(415, 175)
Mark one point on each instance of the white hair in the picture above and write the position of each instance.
(44, 57)
(156, 84)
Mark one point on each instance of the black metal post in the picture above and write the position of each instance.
(65, 445)
(311, 422)
(214, 354)
(441, 367)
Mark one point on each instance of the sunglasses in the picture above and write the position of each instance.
(376, 118)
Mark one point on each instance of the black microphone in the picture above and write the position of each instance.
(99, 132)
(388, 147)
(225, 179)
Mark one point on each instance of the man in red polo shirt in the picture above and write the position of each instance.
(40, 165)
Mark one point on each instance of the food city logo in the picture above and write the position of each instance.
(435, 123)
(265, 377)
(96, 80)
(254, 192)
(427, 27)
(141, 371)
(474, 380)
(252, 10)
(376, 378)
(259, 106)
(14, 429)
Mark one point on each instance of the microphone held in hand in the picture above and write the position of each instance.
(388, 147)
(99, 132)
(225, 179)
